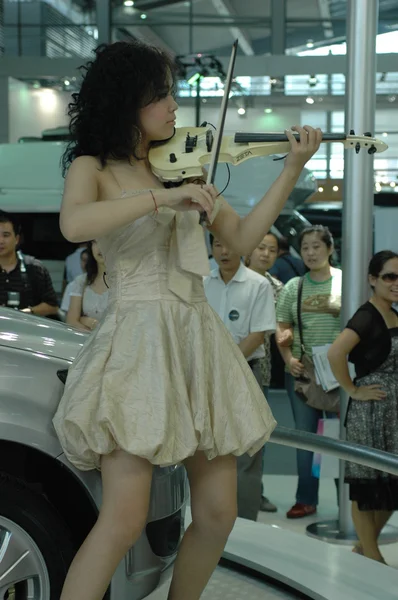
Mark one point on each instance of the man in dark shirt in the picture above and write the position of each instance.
(24, 282)
(286, 266)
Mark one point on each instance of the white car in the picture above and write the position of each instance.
(47, 507)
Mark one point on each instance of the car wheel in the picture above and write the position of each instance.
(35, 545)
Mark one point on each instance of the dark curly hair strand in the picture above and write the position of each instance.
(104, 115)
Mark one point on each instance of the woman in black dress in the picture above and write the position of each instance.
(370, 340)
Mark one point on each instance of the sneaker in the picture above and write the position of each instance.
(267, 506)
(298, 511)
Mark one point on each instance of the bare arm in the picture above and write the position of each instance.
(293, 364)
(337, 356)
(244, 235)
(44, 310)
(250, 343)
(84, 218)
(74, 314)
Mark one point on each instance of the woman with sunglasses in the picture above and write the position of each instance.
(370, 341)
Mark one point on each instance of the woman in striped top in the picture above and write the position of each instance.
(320, 310)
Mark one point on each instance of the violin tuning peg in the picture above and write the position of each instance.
(352, 132)
(368, 134)
(357, 147)
(372, 149)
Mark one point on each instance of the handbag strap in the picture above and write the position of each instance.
(299, 319)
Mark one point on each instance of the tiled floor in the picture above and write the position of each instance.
(231, 585)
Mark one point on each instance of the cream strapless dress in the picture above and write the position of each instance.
(160, 377)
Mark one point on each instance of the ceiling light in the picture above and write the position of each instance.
(128, 3)
(378, 187)
(310, 44)
(241, 111)
(384, 134)
(268, 111)
(320, 189)
(335, 188)
(392, 184)
(66, 82)
(143, 16)
(310, 100)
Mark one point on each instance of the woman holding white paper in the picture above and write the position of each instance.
(370, 340)
(320, 312)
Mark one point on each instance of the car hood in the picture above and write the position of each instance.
(43, 336)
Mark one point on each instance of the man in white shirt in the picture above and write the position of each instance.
(244, 300)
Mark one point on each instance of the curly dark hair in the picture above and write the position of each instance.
(104, 115)
(92, 265)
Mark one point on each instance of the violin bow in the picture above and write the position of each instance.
(215, 152)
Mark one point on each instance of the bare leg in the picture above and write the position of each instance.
(365, 526)
(381, 518)
(214, 509)
(126, 481)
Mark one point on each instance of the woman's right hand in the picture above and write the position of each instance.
(296, 367)
(188, 197)
(368, 392)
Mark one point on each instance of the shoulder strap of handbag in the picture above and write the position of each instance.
(285, 257)
(299, 319)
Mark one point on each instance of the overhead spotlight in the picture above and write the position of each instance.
(392, 184)
(378, 187)
(335, 188)
(310, 100)
(241, 111)
(312, 80)
(66, 82)
(385, 134)
(268, 111)
(310, 43)
(320, 189)
(128, 3)
(143, 16)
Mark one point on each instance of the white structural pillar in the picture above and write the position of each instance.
(357, 245)
(4, 111)
(104, 21)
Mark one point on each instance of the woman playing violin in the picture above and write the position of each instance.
(160, 381)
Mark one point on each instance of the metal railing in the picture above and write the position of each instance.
(362, 455)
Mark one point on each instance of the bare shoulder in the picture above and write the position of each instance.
(81, 182)
(84, 165)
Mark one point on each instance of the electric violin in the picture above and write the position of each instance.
(185, 154)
